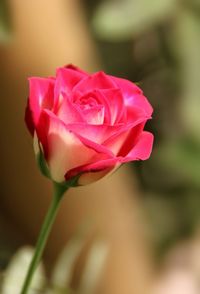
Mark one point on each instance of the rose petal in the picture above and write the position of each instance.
(95, 133)
(139, 101)
(96, 81)
(66, 79)
(105, 135)
(29, 119)
(43, 127)
(63, 149)
(134, 113)
(128, 88)
(124, 136)
(76, 68)
(117, 141)
(94, 115)
(68, 112)
(90, 177)
(142, 150)
(116, 104)
(66, 152)
(41, 96)
(131, 139)
(101, 100)
(133, 95)
(103, 165)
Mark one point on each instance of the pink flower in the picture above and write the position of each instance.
(86, 125)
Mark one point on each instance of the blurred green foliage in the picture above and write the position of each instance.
(157, 43)
(5, 21)
(121, 20)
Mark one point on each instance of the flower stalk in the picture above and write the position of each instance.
(44, 234)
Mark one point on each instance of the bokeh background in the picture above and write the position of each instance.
(150, 211)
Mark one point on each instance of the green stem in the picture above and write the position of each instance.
(43, 236)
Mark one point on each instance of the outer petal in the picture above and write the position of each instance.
(128, 88)
(143, 148)
(94, 171)
(66, 79)
(76, 68)
(29, 119)
(139, 101)
(133, 95)
(123, 141)
(98, 80)
(90, 177)
(41, 96)
(134, 113)
(43, 127)
(64, 149)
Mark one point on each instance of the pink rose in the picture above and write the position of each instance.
(86, 126)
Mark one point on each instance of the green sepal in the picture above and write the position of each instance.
(43, 166)
(65, 185)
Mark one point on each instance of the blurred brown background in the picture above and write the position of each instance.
(147, 214)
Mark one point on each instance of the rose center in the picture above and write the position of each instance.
(91, 107)
(87, 101)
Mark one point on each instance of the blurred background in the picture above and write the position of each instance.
(140, 232)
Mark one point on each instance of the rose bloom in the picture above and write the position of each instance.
(87, 125)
